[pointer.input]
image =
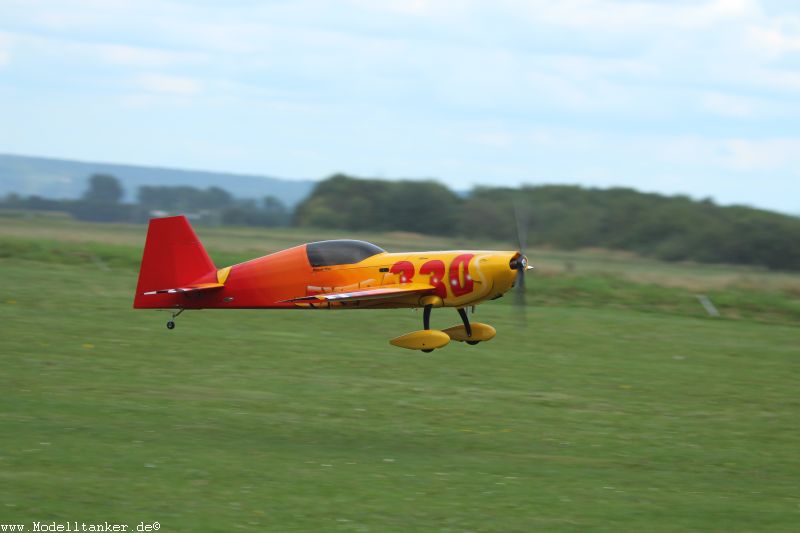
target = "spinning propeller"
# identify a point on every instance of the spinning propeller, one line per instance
(520, 264)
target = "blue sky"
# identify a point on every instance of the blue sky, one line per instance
(701, 98)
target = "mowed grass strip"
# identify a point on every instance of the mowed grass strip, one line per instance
(586, 419)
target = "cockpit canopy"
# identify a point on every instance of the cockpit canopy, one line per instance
(340, 252)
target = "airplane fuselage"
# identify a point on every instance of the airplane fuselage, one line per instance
(460, 279)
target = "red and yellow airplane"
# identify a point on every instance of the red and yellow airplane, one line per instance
(177, 274)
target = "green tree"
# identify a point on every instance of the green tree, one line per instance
(104, 188)
(357, 204)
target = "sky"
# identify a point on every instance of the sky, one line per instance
(699, 98)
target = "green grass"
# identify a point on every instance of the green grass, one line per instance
(604, 414)
(588, 278)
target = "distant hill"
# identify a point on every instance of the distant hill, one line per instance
(61, 178)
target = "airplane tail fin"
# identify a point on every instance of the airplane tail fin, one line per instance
(173, 258)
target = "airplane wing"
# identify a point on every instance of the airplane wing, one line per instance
(188, 288)
(377, 293)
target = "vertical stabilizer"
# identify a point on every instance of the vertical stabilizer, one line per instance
(173, 257)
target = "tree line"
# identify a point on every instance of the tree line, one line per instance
(672, 228)
(102, 202)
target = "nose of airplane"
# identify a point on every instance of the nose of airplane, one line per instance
(518, 262)
(502, 268)
(519, 265)
(506, 269)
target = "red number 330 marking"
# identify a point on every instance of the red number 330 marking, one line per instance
(405, 269)
(459, 276)
(436, 269)
(460, 280)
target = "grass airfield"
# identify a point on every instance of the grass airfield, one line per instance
(619, 407)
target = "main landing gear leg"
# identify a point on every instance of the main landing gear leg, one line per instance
(426, 321)
(465, 319)
(171, 323)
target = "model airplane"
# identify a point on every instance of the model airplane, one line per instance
(178, 274)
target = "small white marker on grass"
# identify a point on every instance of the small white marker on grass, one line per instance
(705, 301)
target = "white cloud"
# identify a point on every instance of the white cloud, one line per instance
(658, 151)
(604, 15)
(5, 48)
(497, 139)
(124, 55)
(161, 83)
(404, 7)
(730, 169)
(763, 155)
(73, 14)
(772, 41)
(781, 79)
(88, 52)
(635, 17)
(728, 105)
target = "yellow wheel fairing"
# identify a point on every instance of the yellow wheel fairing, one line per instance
(424, 339)
(480, 332)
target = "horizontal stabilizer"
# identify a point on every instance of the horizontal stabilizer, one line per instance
(189, 288)
(378, 293)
